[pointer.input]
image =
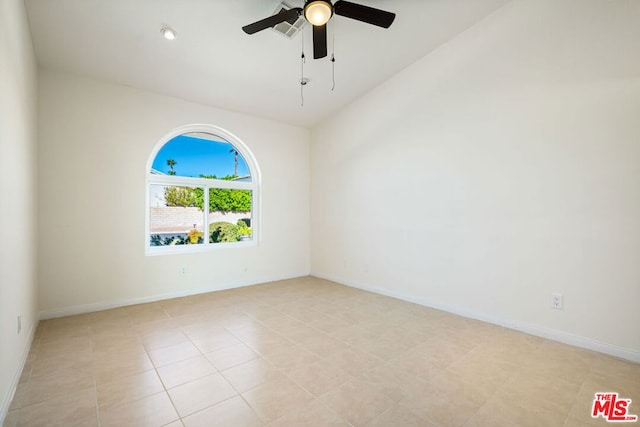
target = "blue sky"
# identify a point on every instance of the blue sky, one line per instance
(196, 156)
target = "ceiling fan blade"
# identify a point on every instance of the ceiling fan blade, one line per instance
(319, 41)
(269, 22)
(362, 13)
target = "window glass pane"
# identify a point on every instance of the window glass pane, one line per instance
(201, 155)
(175, 215)
(229, 215)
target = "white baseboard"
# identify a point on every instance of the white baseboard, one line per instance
(551, 334)
(6, 403)
(89, 308)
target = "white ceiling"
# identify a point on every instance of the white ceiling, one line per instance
(214, 62)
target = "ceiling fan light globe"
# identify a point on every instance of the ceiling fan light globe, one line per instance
(318, 12)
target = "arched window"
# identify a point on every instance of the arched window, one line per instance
(202, 192)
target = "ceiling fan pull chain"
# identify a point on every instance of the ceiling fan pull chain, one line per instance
(333, 71)
(303, 81)
(333, 57)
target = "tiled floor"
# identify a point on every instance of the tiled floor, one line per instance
(305, 352)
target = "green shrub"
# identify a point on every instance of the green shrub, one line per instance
(223, 232)
(157, 240)
(243, 228)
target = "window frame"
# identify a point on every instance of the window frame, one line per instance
(174, 180)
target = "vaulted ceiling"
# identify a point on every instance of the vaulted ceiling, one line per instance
(214, 62)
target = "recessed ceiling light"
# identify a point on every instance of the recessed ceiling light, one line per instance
(168, 33)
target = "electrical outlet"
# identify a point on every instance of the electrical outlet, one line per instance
(557, 301)
(183, 271)
(19, 323)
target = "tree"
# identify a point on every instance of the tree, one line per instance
(181, 196)
(220, 199)
(224, 199)
(171, 163)
(229, 200)
(235, 159)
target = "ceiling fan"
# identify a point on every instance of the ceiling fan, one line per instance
(318, 13)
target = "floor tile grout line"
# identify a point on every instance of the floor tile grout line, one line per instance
(261, 356)
(251, 301)
(218, 372)
(166, 392)
(95, 383)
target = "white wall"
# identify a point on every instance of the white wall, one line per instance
(17, 195)
(516, 150)
(95, 140)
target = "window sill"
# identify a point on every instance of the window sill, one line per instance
(192, 249)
